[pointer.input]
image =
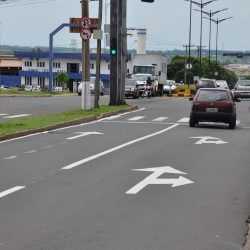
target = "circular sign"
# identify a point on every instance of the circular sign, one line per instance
(85, 23)
(189, 66)
(85, 34)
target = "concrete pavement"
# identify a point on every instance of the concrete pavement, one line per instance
(57, 193)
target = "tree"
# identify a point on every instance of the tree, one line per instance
(176, 70)
(63, 80)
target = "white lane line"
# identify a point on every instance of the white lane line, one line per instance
(10, 157)
(11, 191)
(111, 150)
(83, 134)
(16, 116)
(30, 152)
(3, 114)
(160, 119)
(183, 120)
(67, 127)
(136, 118)
(154, 123)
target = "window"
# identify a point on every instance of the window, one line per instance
(56, 65)
(28, 63)
(108, 66)
(28, 80)
(41, 82)
(213, 96)
(41, 64)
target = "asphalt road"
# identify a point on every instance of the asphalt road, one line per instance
(11, 107)
(66, 190)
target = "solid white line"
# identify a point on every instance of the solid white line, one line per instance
(136, 118)
(67, 127)
(3, 114)
(16, 116)
(83, 134)
(184, 120)
(10, 157)
(160, 119)
(127, 122)
(11, 191)
(111, 150)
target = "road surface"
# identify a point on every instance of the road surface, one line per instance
(140, 181)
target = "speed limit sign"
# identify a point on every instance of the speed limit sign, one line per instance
(85, 34)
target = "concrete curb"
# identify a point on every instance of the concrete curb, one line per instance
(66, 124)
(247, 245)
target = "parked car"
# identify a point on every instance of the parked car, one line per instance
(131, 89)
(222, 84)
(28, 88)
(242, 89)
(91, 86)
(213, 105)
(169, 88)
(36, 88)
(58, 89)
(206, 83)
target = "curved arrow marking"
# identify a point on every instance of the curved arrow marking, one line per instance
(154, 179)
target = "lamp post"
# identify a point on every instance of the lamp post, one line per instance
(201, 5)
(210, 14)
(218, 22)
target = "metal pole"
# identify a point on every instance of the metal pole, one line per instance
(190, 37)
(98, 57)
(185, 70)
(51, 78)
(210, 36)
(114, 58)
(85, 45)
(217, 38)
(201, 39)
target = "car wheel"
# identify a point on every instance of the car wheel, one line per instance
(232, 123)
(192, 122)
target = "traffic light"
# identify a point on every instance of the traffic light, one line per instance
(113, 47)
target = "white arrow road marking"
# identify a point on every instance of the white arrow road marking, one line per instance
(136, 118)
(208, 140)
(111, 150)
(160, 119)
(83, 134)
(16, 116)
(11, 191)
(153, 179)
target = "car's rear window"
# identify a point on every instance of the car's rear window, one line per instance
(207, 84)
(214, 96)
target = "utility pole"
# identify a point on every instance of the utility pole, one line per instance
(114, 52)
(85, 45)
(98, 57)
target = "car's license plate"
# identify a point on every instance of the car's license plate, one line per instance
(211, 110)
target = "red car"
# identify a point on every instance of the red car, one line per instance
(213, 105)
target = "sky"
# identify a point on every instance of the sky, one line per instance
(166, 21)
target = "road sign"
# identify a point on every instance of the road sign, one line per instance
(85, 34)
(77, 24)
(208, 140)
(189, 66)
(154, 179)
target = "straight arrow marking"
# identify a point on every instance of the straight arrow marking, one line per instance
(83, 134)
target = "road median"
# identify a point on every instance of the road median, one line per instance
(24, 126)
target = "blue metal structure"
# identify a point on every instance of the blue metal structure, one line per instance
(51, 40)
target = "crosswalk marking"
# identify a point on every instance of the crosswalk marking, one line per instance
(136, 118)
(16, 116)
(184, 120)
(160, 119)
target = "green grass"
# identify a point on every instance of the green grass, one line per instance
(37, 122)
(21, 92)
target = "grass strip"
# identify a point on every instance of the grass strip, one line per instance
(38, 122)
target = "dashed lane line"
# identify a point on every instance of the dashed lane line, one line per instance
(10, 157)
(160, 119)
(136, 118)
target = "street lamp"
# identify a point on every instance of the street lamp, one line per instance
(210, 14)
(217, 22)
(202, 5)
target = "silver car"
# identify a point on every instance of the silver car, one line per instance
(242, 89)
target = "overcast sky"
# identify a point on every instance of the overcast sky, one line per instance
(166, 21)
